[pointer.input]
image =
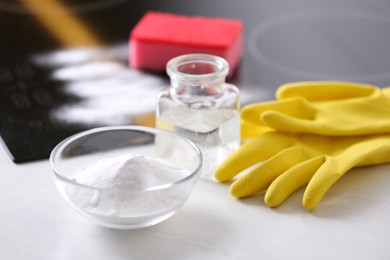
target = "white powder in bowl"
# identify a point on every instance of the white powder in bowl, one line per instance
(112, 177)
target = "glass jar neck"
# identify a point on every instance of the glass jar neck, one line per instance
(197, 76)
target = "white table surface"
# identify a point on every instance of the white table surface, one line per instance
(352, 222)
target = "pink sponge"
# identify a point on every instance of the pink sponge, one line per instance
(158, 37)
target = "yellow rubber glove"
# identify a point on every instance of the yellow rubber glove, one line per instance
(249, 130)
(292, 161)
(324, 108)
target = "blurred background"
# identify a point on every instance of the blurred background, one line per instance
(64, 64)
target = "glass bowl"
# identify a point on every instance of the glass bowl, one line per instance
(126, 177)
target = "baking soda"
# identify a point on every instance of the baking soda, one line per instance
(115, 183)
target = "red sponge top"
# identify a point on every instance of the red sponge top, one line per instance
(185, 30)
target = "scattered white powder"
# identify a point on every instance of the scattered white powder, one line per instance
(112, 176)
(109, 92)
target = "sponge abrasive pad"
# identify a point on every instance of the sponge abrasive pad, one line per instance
(159, 37)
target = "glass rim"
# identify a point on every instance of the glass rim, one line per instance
(221, 65)
(64, 143)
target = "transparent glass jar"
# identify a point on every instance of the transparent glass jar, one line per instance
(201, 106)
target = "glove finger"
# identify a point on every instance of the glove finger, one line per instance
(251, 152)
(325, 90)
(259, 178)
(291, 180)
(295, 107)
(370, 151)
(289, 124)
(321, 182)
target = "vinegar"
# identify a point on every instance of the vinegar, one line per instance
(201, 107)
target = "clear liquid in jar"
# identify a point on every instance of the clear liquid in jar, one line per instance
(215, 132)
